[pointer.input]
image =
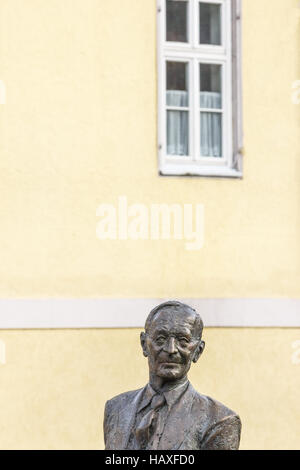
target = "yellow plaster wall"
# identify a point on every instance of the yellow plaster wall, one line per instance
(79, 129)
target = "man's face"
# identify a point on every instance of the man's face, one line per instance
(170, 344)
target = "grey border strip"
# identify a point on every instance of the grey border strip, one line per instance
(131, 313)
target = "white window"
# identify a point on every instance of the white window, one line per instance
(199, 130)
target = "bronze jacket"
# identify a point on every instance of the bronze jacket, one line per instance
(195, 422)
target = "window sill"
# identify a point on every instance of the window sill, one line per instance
(196, 170)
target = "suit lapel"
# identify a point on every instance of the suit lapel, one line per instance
(126, 416)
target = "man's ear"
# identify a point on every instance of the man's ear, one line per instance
(199, 350)
(143, 343)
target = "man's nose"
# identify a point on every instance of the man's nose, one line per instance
(170, 346)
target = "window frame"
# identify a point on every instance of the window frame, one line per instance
(229, 56)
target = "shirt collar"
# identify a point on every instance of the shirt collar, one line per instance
(171, 396)
(147, 397)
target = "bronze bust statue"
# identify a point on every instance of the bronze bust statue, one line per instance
(168, 414)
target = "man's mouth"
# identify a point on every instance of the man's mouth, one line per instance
(170, 362)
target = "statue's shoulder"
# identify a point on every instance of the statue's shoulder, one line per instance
(211, 407)
(119, 401)
(218, 426)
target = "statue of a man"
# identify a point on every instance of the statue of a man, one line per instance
(168, 414)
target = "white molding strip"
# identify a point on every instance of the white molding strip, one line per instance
(131, 313)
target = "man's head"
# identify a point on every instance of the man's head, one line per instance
(172, 340)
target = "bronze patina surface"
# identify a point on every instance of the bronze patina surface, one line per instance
(168, 414)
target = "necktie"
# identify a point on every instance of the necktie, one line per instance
(146, 427)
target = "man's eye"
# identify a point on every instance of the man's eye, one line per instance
(160, 339)
(184, 341)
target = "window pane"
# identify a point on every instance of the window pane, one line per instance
(177, 97)
(177, 84)
(211, 86)
(211, 134)
(177, 20)
(177, 133)
(210, 24)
